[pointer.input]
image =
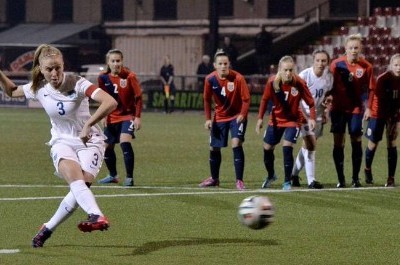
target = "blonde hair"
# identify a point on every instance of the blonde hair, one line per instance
(394, 57)
(351, 37)
(41, 52)
(278, 77)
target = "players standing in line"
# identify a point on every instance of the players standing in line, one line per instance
(121, 124)
(384, 111)
(228, 89)
(319, 81)
(167, 79)
(285, 90)
(77, 143)
(352, 79)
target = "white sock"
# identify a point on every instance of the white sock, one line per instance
(67, 206)
(299, 163)
(85, 197)
(310, 165)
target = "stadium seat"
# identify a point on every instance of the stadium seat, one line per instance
(364, 30)
(385, 31)
(391, 21)
(362, 21)
(344, 30)
(380, 21)
(353, 30)
(388, 11)
(377, 11)
(372, 21)
(397, 11)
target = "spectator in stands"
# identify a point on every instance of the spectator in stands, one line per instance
(77, 142)
(231, 96)
(263, 46)
(120, 126)
(285, 90)
(167, 79)
(352, 80)
(231, 50)
(383, 112)
(319, 81)
(203, 69)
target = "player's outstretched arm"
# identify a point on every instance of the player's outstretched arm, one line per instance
(9, 87)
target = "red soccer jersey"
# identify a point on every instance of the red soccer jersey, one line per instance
(384, 99)
(126, 90)
(350, 82)
(286, 110)
(231, 96)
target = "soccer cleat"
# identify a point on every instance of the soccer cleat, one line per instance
(341, 185)
(368, 176)
(356, 184)
(41, 237)
(94, 222)
(295, 181)
(209, 182)
(287, 186)
(109, 179)
(129, 182)
(240, 185)
(268, 181)
(315, 185)
(390, 182)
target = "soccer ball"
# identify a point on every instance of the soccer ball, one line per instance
(256, 212)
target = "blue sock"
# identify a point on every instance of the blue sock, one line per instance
(392, 161)
(338, 158)
(238, 161)
(129, 158)
(215, 163)
(269, 159)
(369, 157)
(111, 161)
(288, 162)
(356, 158)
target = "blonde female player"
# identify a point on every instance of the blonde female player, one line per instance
(77, 143)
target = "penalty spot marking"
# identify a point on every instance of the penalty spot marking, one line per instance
(9, 251)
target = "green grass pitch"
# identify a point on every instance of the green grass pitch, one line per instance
(167, 219)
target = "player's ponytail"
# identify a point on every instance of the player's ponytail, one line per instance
(42, 51)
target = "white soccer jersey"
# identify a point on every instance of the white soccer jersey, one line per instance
(318, 87)
(67, 107)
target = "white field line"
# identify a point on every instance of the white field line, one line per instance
(195, 191)
(9, 251)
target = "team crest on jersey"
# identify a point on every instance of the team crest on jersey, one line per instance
(294, 92)
(359, 73)
(122, 83)
(231, 86)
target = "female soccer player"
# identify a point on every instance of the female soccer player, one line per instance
(319, 80)
(383, 111)
(285, 90)
(121, 124)
(352, 79)
(77, 143)
(231, 96)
